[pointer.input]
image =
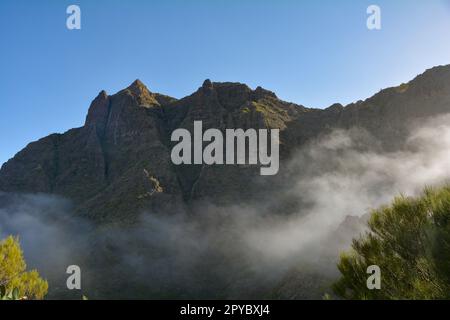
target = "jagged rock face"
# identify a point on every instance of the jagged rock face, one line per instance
(224, 106)
(118, 163)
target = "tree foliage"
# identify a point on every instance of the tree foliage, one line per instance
(410, 242)
(9, 295)
(13, 274)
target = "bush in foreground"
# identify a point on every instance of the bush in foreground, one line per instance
(14, 279)
(410, 242)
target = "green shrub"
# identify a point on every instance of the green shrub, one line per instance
(410, 242)
(15, 281)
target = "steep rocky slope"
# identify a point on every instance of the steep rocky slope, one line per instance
(118, 163)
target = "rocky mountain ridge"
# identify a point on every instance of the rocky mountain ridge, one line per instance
(118, 164)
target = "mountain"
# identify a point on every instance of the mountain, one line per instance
(118, 163)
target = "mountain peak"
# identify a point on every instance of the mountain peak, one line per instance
(207, 84)
(140, 92)
(336, 107)
(102, 95)
(261, 92)
(138, 85)
(98, 108)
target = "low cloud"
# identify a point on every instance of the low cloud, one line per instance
(241, 251)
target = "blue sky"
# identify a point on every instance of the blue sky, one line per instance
(313, 52)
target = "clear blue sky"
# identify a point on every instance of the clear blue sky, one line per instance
(313, 52)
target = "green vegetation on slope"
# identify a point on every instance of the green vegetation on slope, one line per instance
(410, 242)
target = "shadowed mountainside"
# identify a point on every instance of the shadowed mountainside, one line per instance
(118, 163)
